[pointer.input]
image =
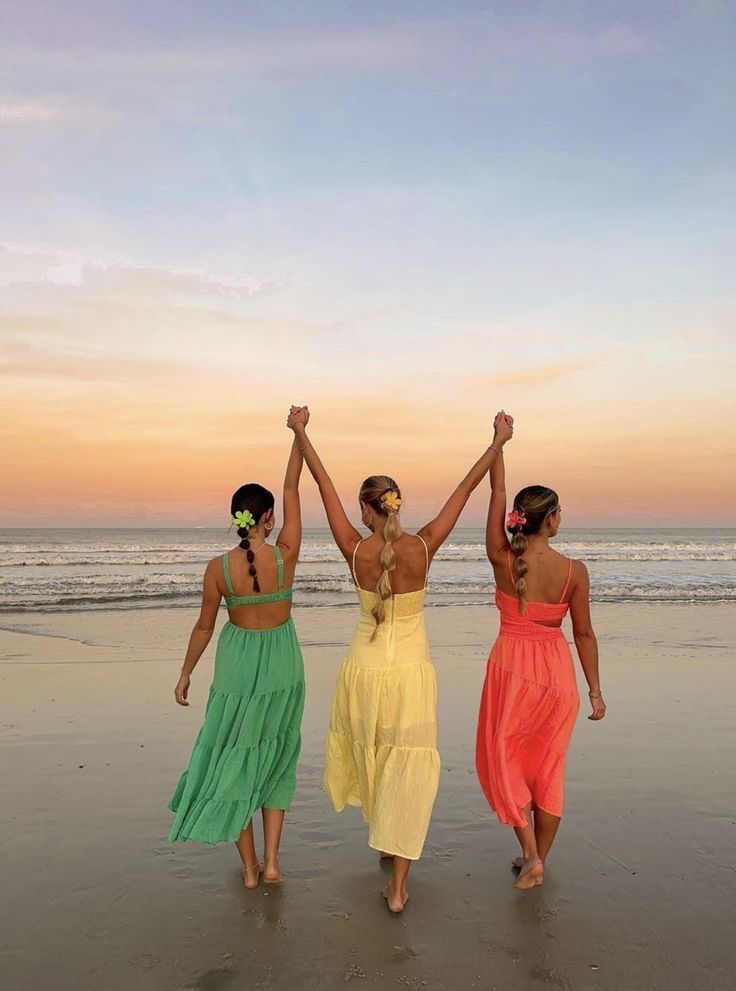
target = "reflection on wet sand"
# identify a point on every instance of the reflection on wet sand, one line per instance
(92, 743)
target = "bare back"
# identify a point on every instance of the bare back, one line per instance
(550, 577)
(412, 563)
(263, 614)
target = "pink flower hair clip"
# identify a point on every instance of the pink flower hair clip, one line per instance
(514, 519)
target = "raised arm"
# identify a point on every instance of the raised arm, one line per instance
(202, 632)
(436, 532)
(585, 639)
(345, 534)
(497, 543)
(290, 535)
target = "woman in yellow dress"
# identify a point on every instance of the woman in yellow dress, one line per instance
(381, 752)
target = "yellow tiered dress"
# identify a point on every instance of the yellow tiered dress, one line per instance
(381, 750)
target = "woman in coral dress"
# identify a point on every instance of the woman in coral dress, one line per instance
(530, 699)
(381, 752)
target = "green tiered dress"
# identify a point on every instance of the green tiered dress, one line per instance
(246, 752)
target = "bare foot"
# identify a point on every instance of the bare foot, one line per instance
(396, 902)
(531, 875)
(272, 874)
(251, 876)
(518, 862)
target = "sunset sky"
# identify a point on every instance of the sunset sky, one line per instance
(404, 214)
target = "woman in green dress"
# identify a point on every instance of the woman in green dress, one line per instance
(245, 755)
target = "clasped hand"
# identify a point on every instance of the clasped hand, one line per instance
(297, 414)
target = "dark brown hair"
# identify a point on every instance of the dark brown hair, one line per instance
(257, 501)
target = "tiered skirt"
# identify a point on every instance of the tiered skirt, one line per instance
(245, 755)
(527, 715)
(382, 751)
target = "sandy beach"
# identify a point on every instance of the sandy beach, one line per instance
(635, 898)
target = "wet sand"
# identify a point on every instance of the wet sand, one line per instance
(638, 895)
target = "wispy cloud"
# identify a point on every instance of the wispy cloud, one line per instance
(20, 113)
(59, 106)
(464, 40)
(538, 374)
(21, 264)
(358, 50)
(72, 318)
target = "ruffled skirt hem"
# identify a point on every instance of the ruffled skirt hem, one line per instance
(394, 787)
(524, 731)
(246, 753)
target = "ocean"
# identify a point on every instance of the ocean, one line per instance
(76, 569)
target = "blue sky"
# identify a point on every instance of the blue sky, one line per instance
(541, 193)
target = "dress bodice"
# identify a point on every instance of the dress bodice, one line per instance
(259, 598)
(401, 638)
(536, 614)
(399, 606)
(531, 622)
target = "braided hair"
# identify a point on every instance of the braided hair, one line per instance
(374, 491)
(535, 503)
(257, 501)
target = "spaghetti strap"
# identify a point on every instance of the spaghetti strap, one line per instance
(511, 570)
(355, 577)
(226, 571)
(426, 560)
(279, 566)
(569, 574)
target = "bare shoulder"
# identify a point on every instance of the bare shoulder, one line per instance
(214, 575)
(499, 554)
(414, 544)
(348, 546)
(578, 574)
(289, 552)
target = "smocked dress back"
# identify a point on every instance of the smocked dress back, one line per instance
(245, 755)
(528, 709)
(381, 752)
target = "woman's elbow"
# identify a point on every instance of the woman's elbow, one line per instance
(585, 635)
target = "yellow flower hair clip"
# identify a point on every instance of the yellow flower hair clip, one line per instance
(390, 501)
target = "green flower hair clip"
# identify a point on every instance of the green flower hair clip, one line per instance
(244, 519)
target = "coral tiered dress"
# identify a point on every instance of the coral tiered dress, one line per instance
(528, 710)
(381, 752)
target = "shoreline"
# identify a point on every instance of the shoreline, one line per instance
(57, 623)
(346, 600)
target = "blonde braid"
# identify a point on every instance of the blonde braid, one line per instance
(391, 532)
(534, 504)
(383, 495)
(519, 545)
